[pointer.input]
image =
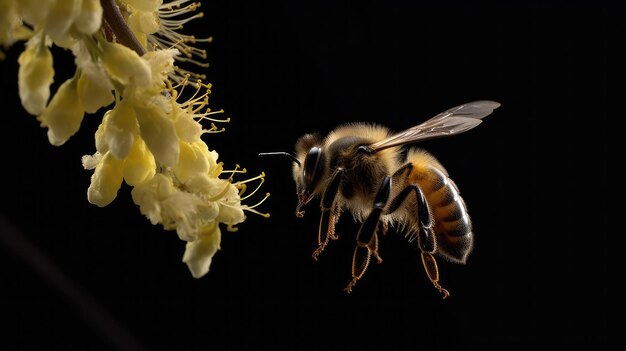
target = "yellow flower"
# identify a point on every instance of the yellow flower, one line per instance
(192, 161)
(35, 75)
(152, 137)
(64, 114)
(34, 11)
(199, 253)
(162, 202)
(231, 210)
(94, 90)
(119, 129)
(160, 64)
(145, 5)
(160, 29)
(143, 24)
(158, 131)
(149, 195)
(105, 181)
(11, 28)
(89, 19)
(139, 164)
(124, 65)
(59, 19)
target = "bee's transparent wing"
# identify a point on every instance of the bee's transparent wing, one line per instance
(453, 121)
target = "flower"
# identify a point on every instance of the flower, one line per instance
(124, 65)
(199, 253)
(11, 28)
(105, 181)
(89, 18)
(119, 129)
(145, 5)
(95, 89)
(160, 29)
(35, 75)
(151, 138)
(64, 114)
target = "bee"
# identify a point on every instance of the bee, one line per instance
(366, 170)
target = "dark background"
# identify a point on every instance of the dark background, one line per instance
(533, 176)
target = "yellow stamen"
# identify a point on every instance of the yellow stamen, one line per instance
(173, 17)
(260, 176)
(251, 208)
(244, 187)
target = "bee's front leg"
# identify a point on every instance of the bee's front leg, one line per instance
(330, 213)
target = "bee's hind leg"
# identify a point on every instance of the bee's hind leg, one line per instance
(367, 239)
(330, 213)
(426, 239)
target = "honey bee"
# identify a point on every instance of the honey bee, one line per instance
(363, 168)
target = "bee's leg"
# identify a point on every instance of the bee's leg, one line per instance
(367, 239)
(426, 239)
(430, 265)
(330, 213)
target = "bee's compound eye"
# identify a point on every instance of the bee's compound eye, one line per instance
(312, 170)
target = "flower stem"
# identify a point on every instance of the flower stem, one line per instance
(113, 16)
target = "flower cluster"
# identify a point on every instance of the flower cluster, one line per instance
(125, 53)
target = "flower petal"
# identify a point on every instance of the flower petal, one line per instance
(187, 128)
(89, 18)
(105, 181)
(60, 18)
(159, 133)
(124, 65)
(145, 5)
(35, 76)
(11, 28)
(230, 207)
(191, 162)
(120, 129)
(94, 90)
(139, 165)
(148, 196)
(144, 22)
(199, 253)
(64, 114)
(33, 11)
(187, 213)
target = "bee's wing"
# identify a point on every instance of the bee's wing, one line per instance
(453, 121)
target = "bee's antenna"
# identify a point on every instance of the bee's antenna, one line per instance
(291, 157)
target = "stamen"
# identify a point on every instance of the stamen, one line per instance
(260, 176)
(204, 117)
(236, 170)
(252, 193)
(213, 130)
(179, 73)
(232, 173)
(173, 17)
(251, 208)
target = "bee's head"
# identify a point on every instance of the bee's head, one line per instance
(309, 172)
(309, 167)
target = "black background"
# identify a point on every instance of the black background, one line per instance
(533, 176)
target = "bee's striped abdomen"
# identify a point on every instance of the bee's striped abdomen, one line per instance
(453, 227)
